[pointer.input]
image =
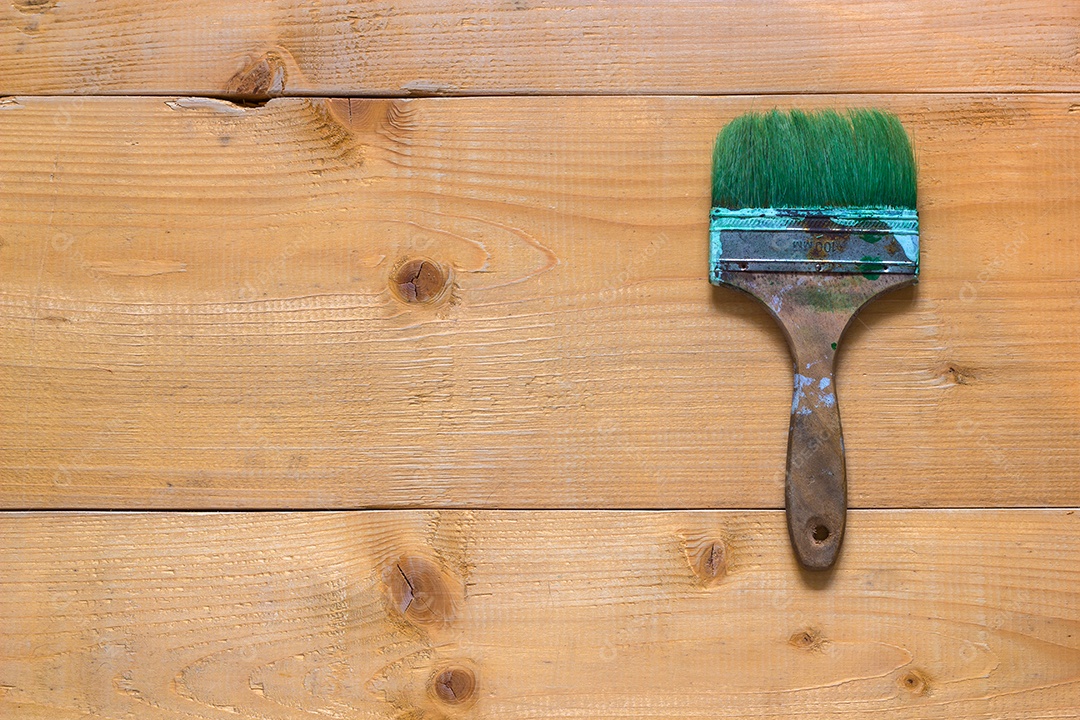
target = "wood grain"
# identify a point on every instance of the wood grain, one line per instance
(929, 614)
(216, 47)
(208, 306)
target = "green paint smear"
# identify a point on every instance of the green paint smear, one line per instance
(870, 238)
(871, 267)
(823, 299)
(834, 346)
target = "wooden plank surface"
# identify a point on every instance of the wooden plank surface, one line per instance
(196, 309)
(214, 47)
(930, 614)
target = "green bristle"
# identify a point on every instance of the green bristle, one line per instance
(821, 159)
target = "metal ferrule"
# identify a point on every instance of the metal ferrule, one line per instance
(868, 241)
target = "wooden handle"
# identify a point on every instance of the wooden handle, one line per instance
(814, 310)
(816, 489)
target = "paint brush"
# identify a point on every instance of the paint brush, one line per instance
(814, 215)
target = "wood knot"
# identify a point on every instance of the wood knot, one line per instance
(421, 592)
(455, 685)
(711, 563)
(420, 280)
(261, 79)
(708, 555)
(808, 639)
(956, 374)
(34, 7)
(915, 682)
